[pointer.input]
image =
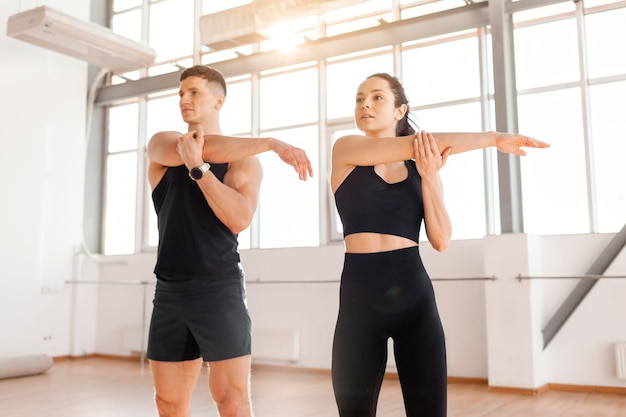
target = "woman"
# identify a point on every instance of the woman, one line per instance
(385, 184)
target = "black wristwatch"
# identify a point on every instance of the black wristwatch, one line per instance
(198, 172)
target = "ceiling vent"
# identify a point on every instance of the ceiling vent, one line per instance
(87, 41)
(250, 23)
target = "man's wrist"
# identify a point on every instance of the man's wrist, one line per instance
(196, 173)
(271, 144)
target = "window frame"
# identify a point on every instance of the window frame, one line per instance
(140, 79)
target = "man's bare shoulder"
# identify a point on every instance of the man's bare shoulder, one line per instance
(162, 149)
(165, 136)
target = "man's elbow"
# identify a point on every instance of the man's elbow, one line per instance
(236, 229)
(240, 224)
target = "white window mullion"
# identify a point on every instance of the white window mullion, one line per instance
(586, 116)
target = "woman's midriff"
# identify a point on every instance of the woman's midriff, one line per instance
(375, 242)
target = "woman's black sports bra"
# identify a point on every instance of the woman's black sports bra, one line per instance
(367, 203)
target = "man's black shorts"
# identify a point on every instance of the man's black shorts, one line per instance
(199, 318)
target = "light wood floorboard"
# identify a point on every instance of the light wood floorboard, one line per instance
(106, 387)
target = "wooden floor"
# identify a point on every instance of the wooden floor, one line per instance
(104, 387)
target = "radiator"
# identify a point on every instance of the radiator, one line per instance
(276, 345)
(620, 359)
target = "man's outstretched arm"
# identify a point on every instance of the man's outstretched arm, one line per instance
(220, 149)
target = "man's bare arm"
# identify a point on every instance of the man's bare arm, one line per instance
(221, 149)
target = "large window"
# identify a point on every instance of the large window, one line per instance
(570, 79)
(341, 95)
(121, 180)
(570, 92)
(555, 194)
(236, 114)
(288, 99)
(463, 176)
(608, 105)
(448, 100)
(288, 207)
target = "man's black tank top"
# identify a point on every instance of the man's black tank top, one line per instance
(193, 242)
(367, 203)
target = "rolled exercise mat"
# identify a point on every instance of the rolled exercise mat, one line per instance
(24, 365)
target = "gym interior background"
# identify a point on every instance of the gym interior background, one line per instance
(531, 291)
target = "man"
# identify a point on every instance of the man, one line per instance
(205, 191)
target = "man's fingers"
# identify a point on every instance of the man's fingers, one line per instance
(298, 159)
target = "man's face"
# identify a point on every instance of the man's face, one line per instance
(199, 100)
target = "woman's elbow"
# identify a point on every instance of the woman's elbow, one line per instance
(440, 243)
(441, 246)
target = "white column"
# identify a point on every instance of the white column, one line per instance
(513, 310)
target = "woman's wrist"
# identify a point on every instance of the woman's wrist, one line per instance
(493, 135)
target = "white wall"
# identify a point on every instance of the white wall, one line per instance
(42, 108)
(583, 352)
(493, 328)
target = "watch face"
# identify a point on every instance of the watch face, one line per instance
(196, 173)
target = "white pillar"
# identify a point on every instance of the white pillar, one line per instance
(513, 310)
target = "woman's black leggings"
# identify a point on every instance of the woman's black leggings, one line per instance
(383, 295)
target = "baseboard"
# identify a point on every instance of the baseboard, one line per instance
(520, 391)
(95, 355)
(285, 368)
(559, 387)
(588, 388)
(73, 358)
(464, 380)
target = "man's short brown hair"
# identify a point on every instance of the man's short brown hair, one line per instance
(211, 75)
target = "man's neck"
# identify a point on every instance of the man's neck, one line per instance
(207, 128)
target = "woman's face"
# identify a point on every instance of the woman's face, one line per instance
(375, 113)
